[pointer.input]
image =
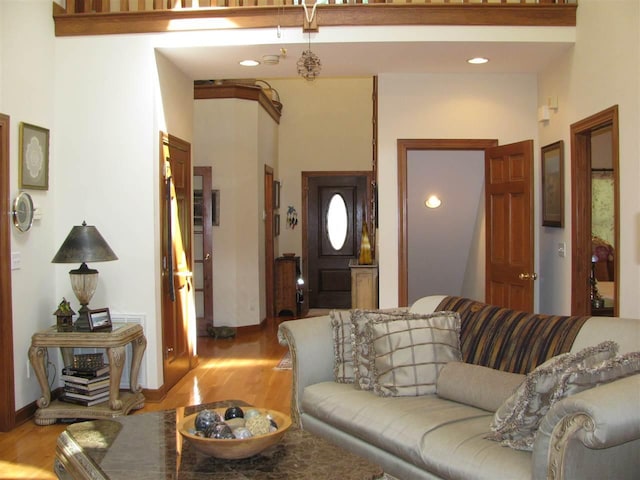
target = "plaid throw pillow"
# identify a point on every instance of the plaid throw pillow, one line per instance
(406, 354)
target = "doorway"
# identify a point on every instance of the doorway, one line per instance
(509, 228)
(328, 250)
(587, 153)
(178, 305)
(205, 215)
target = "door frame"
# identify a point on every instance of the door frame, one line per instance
(207, 244)
(269, 242)
(404, 146)
(7, 397)
(581, 217)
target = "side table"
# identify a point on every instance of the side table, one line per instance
(114, 342)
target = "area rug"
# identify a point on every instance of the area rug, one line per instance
(285, 362)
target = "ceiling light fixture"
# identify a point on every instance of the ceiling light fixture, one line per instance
(249, 63)
(271, 59)
(478, 60)
(309, 64)
(433, 202)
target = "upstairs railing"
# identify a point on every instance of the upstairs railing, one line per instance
(100, 17)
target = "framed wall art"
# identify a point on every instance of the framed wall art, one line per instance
(553, 185)
(33, 168)
(276, 195)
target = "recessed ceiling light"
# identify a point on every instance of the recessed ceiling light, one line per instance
(249, 63)
(477, 60)
(271, 59)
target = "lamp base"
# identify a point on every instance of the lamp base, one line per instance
(82, 322)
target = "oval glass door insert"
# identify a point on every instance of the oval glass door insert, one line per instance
(337, 221)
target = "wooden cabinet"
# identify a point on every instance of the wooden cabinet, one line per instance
(364, 285)
(286, 273)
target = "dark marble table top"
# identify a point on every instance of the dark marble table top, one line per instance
(148, 446)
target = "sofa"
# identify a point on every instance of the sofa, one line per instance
(447, 429)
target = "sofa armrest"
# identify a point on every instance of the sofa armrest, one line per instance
(593, 434)
(310, 342)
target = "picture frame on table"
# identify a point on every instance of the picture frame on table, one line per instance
(552, 158)
(33, 161)
(100, 320)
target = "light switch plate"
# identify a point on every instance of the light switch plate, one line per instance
(562, 249)
(16, 261)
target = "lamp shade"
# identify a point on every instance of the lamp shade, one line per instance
(84, 244)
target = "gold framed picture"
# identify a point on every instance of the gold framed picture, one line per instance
(33, 168)
(553, 185)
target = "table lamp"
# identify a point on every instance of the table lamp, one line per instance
(84, 244)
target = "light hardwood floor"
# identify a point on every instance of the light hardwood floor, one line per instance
(242, 368)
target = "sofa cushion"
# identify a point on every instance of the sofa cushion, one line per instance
(516, 421)
(579, 378)
(480, 387)
(342, 346)
(406, 354)
(442, 437)
(360, 342)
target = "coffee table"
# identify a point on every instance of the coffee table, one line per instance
(148, 446)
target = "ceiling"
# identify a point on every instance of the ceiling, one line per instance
(366, 53)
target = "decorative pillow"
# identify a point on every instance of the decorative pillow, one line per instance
(342, 346)
(578, 379)
(475, 385)
(406, 354)
(359, 340)
(516, 422)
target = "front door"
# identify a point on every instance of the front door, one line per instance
(328, 254)
(178, 304)
(509, 232)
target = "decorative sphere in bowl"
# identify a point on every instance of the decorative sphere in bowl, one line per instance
(235, 448)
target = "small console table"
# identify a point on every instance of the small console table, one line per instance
(364, 285)
(114, 342)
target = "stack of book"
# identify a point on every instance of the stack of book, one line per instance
(86, 386)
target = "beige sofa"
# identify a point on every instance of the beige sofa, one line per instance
(594, 434)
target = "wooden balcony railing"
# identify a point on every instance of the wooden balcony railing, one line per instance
(104, 17)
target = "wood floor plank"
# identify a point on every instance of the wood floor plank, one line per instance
(241, 368)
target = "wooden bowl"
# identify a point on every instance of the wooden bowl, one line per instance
(234, 448)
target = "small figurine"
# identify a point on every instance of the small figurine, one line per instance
(64, 315)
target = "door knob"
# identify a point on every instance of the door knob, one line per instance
(207, 257)
(528, 276)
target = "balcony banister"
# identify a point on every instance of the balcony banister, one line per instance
(92, 17)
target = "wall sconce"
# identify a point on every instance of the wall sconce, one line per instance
(433, 201)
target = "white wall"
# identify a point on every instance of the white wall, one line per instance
(237, 138)
(479, 106)
(26, 95)
(602, 70)
(326, 125)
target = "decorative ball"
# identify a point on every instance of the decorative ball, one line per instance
(258, 425)
(219, 431)
(251, 413)
(242, 432)
(235, 422)
(233, 412)
(205, 419)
